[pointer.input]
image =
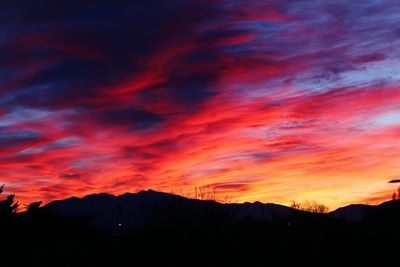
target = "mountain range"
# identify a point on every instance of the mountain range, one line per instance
(132, 211)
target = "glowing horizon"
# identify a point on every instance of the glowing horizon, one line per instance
(270, 101)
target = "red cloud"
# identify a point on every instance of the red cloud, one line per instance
(250, 100)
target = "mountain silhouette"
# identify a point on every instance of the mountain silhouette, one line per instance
(359, 212)
(151, 209)
(353, 212)
(133, 211)
(107, 230)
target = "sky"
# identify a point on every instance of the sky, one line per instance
(268, 101)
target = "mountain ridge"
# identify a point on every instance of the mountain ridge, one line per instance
(152, 208)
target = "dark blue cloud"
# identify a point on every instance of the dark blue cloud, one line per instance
(78, 47)
(11, 139)
(136, 119)
(193, 89)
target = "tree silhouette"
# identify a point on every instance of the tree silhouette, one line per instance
(33, 207)
(8, 206)
(295, 205)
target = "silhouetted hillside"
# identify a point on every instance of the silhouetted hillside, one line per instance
(152, 209)
(359, 212)
(151, 229)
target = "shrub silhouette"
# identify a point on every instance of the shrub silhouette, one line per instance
(33, 207)
(310, 206)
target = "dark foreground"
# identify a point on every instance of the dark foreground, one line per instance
(43, 238)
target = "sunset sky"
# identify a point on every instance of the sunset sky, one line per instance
(260, 100)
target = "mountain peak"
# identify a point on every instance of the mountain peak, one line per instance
(148, 208)
(99, 195)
